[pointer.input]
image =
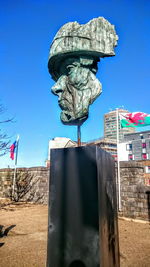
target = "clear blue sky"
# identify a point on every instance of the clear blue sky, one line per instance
(27, 29)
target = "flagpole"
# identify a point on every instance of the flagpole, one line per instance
(15, 169)
(118, 162)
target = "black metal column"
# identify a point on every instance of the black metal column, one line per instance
(82, 230)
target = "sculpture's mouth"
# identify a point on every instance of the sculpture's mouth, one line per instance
(64, 103)
(68, 118)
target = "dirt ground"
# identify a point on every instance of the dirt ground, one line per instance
(26, 243)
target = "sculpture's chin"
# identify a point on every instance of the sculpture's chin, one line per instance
(69, 119)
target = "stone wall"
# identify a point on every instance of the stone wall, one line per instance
(34, 181)
(135, 194)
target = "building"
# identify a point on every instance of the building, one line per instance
(110, 125)
(59, 142)
(109, 146)
(106, 144)
(136, 147)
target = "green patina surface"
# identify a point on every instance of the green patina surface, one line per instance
(73, 64)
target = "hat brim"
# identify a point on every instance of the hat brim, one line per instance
(56, 61)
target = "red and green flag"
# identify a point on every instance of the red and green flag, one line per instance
(134, 119)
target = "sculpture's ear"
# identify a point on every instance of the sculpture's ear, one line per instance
(69, 68)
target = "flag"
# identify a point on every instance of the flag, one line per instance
(135, 119)
(12, 150)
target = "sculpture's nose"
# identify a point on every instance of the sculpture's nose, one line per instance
(57, 89)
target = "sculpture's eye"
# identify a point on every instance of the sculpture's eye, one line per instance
(69, 68)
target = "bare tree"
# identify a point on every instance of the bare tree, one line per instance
(23, 185)
(26, 188)
(4, 139)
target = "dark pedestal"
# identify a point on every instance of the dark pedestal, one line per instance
(82, 230)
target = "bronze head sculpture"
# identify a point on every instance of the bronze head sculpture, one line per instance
(74, 55)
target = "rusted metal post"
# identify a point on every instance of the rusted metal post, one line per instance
(79, 135)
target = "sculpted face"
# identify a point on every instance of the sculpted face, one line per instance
(76, 88)
(74, 53)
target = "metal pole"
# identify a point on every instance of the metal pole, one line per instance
(79, 135)
(118, 162)
(14, 181)
(15, 169)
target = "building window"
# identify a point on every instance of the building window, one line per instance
(129, 147)
(130, 157)
(143, 145)
(144, 156)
